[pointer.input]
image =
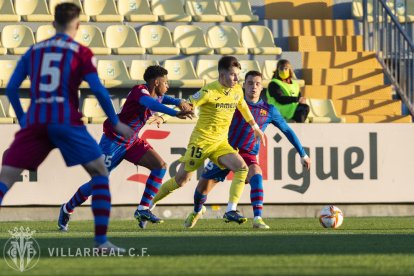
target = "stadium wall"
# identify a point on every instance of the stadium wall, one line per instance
(352, 163)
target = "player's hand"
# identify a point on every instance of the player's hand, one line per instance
(185, 114)
(124, 130)
(306, 162)
(302, 100)
(259, 135)
(185, 106)
(155, 120)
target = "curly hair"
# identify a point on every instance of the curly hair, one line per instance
(153, 72)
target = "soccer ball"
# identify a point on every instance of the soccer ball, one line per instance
(331, 217)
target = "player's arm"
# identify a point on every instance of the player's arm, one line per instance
(199, 98)
(279, 122)
(182, 104)
(18, 76)
(247, 115)
(156, 106)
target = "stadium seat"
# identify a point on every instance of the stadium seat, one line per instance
(45, 32)
(17, 38)
(91, 36)
(268, 70)
(410, 12)
(82, 17)
(237, 11)
(138, 67)
(136, 11)
(207, 70)
(114, 73)
(259, 40)
(322, 111)
(33, 10)
(93, 111)
(3, 116)
(225, 40)
(181, 74)
(7, 12)
(6, 72)
(170, 10)
(203, 11)
(25, 102)
(3, 50)
(123, 40)
(157, 40)
(190, 39)
(248, 65)
(102, 11)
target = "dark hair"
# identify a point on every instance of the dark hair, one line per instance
(65, 13)
(253, 74)
(153, 72)
(282, 63)
(226, 62)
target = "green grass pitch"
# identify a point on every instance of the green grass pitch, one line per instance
(362, 246)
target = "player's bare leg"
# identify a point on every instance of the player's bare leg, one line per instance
(152, 161)
(236, 164)
(180, 179)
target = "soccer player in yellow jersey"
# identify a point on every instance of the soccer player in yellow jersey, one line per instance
(217, 102)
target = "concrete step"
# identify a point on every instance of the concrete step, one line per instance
(325, 43)
(340, 60)
(348, 92)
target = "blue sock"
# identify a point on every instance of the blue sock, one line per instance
(256, 194)
(79, 197)
(152, 186)
(199, 200)
(3, 191)
(101, 206)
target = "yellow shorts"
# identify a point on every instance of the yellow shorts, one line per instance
(197, 153)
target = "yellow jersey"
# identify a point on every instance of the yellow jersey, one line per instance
(217, 105)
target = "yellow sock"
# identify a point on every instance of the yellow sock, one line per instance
(166, 189)
(237, 185)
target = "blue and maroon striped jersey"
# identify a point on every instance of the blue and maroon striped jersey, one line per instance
(56, 68)
(133, 114)
(241, 134)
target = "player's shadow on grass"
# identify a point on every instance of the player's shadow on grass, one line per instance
(258, 245)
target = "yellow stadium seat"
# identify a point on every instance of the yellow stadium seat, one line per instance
(157, 40)
(3, 116)
(136, 11)
(123, 40)
(114, 73)
(93, 111)
(3, 50)
(45, 32)
(102, 11)
(259, 40)
(170, 10)
(410, 12)
(225, 40)
(322, 111)
(17, 38)
(181, 73)
(248, 65)
(7, 68)
(25, 102)
(237, 11)
(191, 40)
(33, 10)
(203, 11)
(82, 17)
(207, 70)
(138, 67)
(91, 36)
(7, 12)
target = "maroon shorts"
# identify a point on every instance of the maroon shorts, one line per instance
(250, 159)
(137, 151)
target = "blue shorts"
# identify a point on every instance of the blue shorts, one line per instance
(115, 152)
(212, 171)
(32, 145)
